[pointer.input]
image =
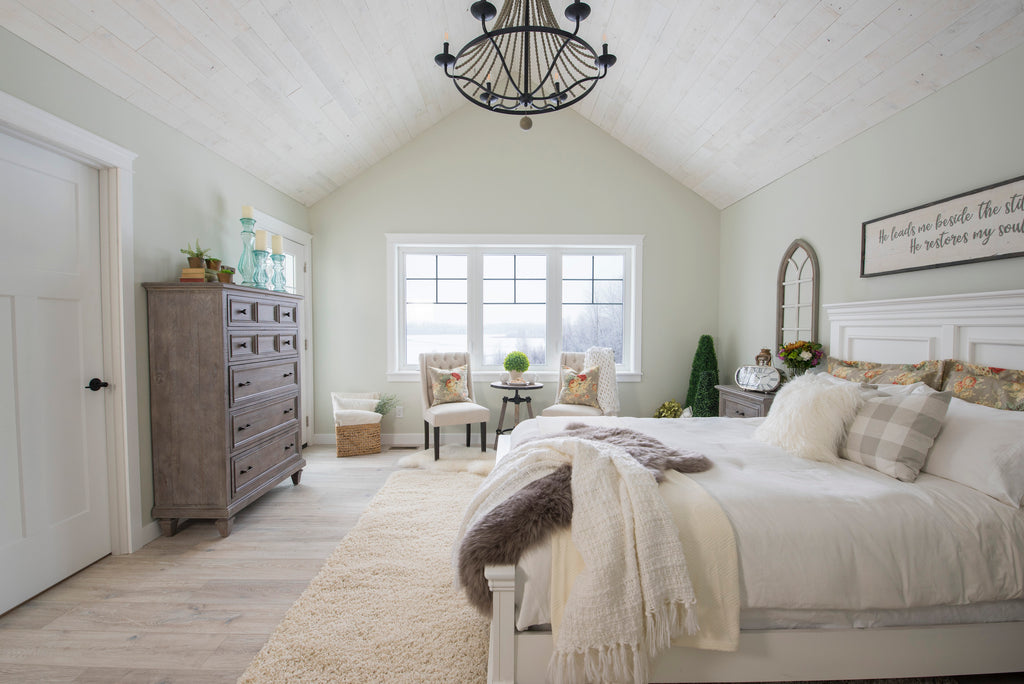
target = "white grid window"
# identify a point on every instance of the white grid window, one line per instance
(494, 294)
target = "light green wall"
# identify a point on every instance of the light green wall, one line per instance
(477, 172)
(965, 136)
(182, 191)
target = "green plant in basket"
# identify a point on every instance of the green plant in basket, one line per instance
(517, 362)
(670, 409)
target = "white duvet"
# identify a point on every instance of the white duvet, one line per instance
(823, 537)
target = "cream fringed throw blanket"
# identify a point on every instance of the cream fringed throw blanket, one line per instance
(634, 595)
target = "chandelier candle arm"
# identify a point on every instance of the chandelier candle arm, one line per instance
(531, 64)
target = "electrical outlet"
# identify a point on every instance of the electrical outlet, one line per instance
(399, 412)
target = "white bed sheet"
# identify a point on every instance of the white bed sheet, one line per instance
(835, 545)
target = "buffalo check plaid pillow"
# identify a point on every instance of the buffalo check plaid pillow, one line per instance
(892, 434)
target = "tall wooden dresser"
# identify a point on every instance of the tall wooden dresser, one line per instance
(224, 398)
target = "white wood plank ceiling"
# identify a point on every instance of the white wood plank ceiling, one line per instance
(723, 95)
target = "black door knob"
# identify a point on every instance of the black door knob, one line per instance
(96, 385)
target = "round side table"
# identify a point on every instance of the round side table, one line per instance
(516, 400)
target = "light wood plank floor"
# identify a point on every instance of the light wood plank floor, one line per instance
(194, 608)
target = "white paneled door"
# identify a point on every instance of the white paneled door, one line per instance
(54, 504)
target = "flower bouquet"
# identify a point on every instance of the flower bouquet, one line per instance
(801, 355)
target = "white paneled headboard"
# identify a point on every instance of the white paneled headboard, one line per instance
(983, 328)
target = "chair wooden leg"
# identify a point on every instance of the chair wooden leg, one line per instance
(483, 436)
(426, 435)
(469, 429)
(437, 443)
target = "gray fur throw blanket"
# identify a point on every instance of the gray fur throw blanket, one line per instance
(526, 518)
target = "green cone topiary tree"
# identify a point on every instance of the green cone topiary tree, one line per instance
(702, 396)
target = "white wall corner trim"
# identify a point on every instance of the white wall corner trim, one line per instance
(114, 164)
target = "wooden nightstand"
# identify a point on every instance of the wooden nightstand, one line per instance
(734, 402)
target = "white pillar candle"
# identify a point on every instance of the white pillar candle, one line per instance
(261, 240)
(246, 211)
(277, 246)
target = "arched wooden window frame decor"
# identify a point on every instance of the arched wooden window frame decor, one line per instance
(793, 294)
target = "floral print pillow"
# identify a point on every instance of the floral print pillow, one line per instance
(579, 387)
(999, 388)
(928, 372)
(448, 385)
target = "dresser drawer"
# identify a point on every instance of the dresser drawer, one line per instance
(248, 468)
(253, 345)
(250, 424)
(252, 380)
(248, 310)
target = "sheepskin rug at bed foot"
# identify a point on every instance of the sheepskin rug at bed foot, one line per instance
(454, 458)
(383, 608)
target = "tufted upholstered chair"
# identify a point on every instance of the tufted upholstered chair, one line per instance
(457, 413)
(572, 360)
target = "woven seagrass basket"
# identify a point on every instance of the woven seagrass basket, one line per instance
(357, 440)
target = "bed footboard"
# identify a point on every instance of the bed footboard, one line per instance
(778, 655)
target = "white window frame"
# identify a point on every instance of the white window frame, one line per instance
(630, 246)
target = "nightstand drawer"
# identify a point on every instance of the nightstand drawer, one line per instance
(734, 402)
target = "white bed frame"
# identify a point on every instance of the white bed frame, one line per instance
(987, 329)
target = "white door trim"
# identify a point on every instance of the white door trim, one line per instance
(279, 227)
(117, 258)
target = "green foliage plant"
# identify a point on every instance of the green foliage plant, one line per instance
(517, 362)
(196, 252)
(386, 404)
(702, 395)
(670, 409)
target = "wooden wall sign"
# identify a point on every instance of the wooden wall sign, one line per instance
(978, 225)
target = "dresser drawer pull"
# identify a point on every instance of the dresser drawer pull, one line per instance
(242, 312)
(243, 427)
(287, 411)
(289, 447)
(286, 314)
(243, 345)
(286, 343)
(287, 374)
(244, 470)
(739, 413)
(245, 384)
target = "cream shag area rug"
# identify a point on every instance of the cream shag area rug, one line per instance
(454, 458)
(383, 608)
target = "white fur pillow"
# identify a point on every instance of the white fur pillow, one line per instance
(810, 416)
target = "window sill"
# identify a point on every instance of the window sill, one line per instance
(545, 376)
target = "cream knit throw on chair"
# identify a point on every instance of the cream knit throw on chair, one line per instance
(607, 385)
(634, 595)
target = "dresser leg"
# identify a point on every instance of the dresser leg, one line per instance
(224, 525)
(168, 526)
(296, 476)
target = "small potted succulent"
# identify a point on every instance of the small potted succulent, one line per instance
(196, 255)
(213, 263)
(516, 363)
(226, 274)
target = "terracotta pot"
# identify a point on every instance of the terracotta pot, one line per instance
(225, 277)
(196, 262)
(213, 264)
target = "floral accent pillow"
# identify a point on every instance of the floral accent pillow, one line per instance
(448, 385)
(928, 372)
(579, 387)
(999, 388)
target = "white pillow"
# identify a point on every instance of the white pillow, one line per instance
(810, 416)
(983, 448)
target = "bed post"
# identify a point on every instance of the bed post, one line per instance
(501, 663)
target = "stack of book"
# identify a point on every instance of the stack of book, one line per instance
(193, 275)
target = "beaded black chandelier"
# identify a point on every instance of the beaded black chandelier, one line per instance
(526, 63)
